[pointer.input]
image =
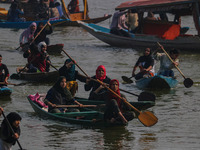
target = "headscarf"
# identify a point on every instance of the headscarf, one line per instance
(28, 34)
(63, 91)
(70, 73)
(101, 78)
(12, 117)
(40, 45)
(113, 96)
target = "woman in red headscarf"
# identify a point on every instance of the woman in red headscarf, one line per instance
(101, 75)
(116, 110)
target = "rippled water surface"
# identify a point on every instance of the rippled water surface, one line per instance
(178, 110)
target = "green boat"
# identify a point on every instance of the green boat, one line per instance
(86, 116)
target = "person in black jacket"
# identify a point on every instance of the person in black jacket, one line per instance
(7, 137)
(100, 75)
(43, 35)
(4, 73)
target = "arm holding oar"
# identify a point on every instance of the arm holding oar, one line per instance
(187, 82)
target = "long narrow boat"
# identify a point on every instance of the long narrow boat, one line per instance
(5, 91)
(84, 117)
(156, 82)
(26, 24)
(36, 76)
(167, 33)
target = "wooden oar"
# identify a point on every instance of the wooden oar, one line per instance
(127, 79)
(144, 96)
(13, 84)
(146, 118)
(8, 123)
(187, 81)
(35, 36)
(74, 106)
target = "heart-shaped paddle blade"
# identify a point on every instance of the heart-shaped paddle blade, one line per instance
(147, 118)
(126, 79)
(146, 96)
(188, 82)
(15, 76)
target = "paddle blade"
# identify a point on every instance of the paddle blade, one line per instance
(147, 118)
(146, 96)
(188, 82)
(126, 79)
(15, 76)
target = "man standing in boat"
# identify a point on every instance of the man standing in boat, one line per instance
(4, 73)
(165, 63)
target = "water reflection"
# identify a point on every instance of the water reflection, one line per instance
(147, 141)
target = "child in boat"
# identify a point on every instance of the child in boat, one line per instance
(91, 84)
(145, 63)
(69, 72)
(4, 73)
(42, 36)
(60, 95)
(116, 110)
(8, 139)
(73, 6)
(166, 65)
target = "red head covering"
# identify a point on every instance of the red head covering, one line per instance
(101, 78)
(112, 96)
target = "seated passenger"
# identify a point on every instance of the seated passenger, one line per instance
(60, 95)
(101, 75)
(42, 11)
(145, 63)
(116, 109)
(166, 65)
(14, 12)
(73, 6)
(150, 16)
(4, 73)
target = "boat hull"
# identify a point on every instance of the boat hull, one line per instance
(156, 82)
(140, 41)
(5, 91)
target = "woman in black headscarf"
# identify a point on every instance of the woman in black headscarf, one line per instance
(7, 137)
(59, 95)
(145, 63)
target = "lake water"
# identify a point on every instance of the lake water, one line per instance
(178, 110)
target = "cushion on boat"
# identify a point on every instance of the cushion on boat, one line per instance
(38, 99)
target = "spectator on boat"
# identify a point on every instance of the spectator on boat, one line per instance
(4, 73)
(116, 110)
(8, 139)
(166, 65)
(73, 6)
(118, 25)
(42, 10)
(28, 35)
(14, 13)
(59, 8)
(150, 16)
(132, 21)
(91, 84)
(146, 65)
(69, 72)
(43, 35)
(60, 95)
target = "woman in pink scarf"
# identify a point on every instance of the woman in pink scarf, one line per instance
(101, 75)
(28, 34)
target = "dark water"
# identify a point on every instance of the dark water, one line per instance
(178, 109)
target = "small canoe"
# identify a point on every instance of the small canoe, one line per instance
(156, 82)
(26, 24)
(5, 91)
(37, 76)
(85, 117)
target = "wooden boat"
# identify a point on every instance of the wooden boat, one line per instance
(156, 82)
(26, 24)
(85, 117)
(5, 91)
(167, 34)
(37, 76)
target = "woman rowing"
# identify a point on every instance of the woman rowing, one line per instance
(38, 59)
(91, 84)
(4, 73)
(116, 110)
(145, 63)
(60, 95)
